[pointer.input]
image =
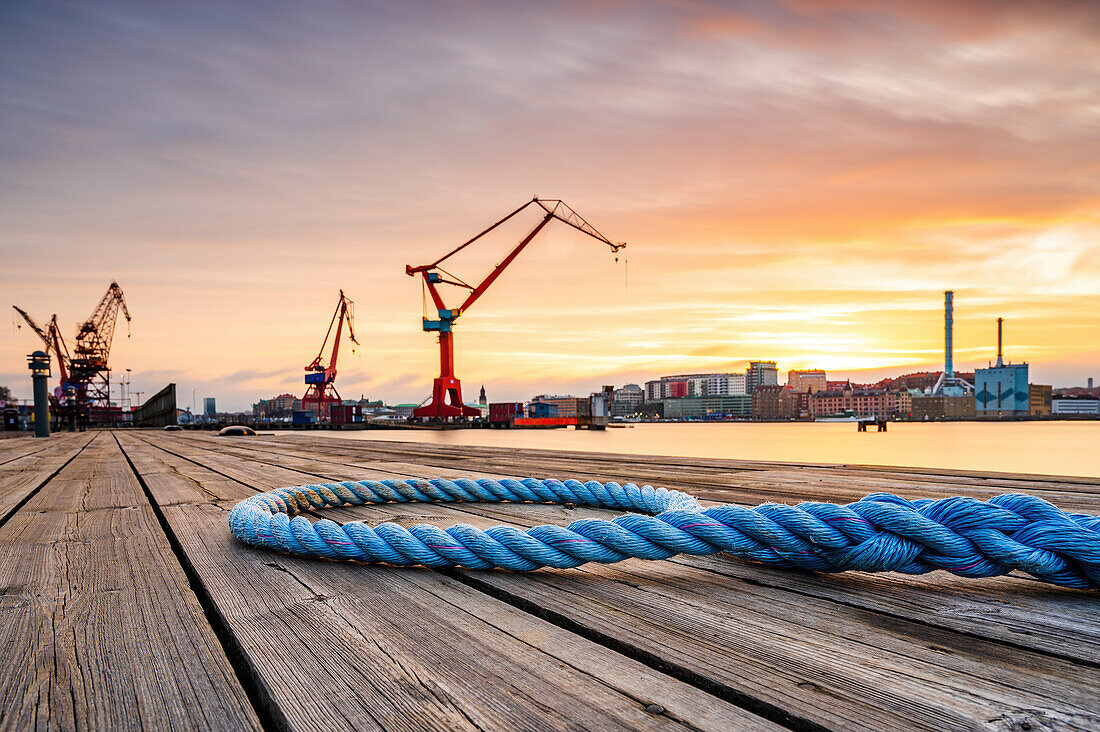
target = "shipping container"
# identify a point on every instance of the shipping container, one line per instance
(345, 413)
(505, 411)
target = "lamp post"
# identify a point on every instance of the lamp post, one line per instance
(39, 364)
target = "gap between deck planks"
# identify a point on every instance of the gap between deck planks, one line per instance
(98, 627)
(1017, 611)
(404, 648)
(1013, 693)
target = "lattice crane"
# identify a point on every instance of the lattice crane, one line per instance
(55, 343)
(89, 370)
(86, 369)
(446, 401)
(321, 391)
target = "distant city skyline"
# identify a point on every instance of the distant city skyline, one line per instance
(796, 182)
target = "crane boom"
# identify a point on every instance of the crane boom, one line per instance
(51, 336)
(321, 392)
(97, 332)
(446, 399)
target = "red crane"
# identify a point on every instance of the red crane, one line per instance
(321, 393)
(51, 336)
(88, 366)
(446, 402)
(87, 370)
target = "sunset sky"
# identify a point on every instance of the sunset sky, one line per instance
(797, 181)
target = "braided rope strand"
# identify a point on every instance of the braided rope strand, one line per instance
(879, 533)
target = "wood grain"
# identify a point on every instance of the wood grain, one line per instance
(98, 627)
(342, 646)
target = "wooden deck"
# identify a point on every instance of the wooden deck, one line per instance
(126, 603)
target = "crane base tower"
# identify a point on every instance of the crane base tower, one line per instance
(446, 402)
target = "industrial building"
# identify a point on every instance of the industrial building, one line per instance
(1002, 390)
(950, 384)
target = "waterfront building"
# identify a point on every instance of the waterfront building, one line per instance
(927, 407)
(802, 404)
(631, 394)
(723, 406)
(626, 401)
(542, 410)
(1002, 390)
(677, 389)
(568, 406)
(1075, 405)
(1039, 396)
(697, 385)
(761, 373)
(209, 410)
(773, 402)
(285, 403)
(694, 385)
(806, 380)
(905, 402)
(863, 402)
(655, 390)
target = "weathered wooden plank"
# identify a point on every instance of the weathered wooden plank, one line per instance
(12, 449)
(341, 646)
(877, 671)
(23, 475)
(1014, 611)
(98, 627)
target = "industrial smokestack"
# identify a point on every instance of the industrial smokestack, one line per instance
(948, 326)
(1000, 363)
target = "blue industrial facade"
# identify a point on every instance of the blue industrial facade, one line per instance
(1001, 390)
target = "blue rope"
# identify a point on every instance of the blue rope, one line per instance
(880, 533)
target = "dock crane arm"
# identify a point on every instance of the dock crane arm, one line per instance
(553, 208)
(93, 339)
(345, 311)
(51, 336)
(446, 386)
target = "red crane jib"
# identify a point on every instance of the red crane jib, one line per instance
(446, 401)
(320, 378)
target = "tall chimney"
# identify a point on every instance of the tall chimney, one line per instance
(948, 325)
(1000, 363)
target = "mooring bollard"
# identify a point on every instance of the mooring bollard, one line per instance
(39, 364)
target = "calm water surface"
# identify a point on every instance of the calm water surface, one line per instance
(1053, 448)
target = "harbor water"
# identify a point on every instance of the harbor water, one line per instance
(1046, 448)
